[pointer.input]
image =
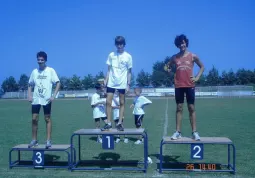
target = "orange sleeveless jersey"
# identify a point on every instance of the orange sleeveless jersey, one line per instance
(184, 70)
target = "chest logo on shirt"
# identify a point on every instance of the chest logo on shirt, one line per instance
(41, 77)
(41, 91)
(183, 65)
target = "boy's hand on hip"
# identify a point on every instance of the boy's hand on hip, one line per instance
(194, 79)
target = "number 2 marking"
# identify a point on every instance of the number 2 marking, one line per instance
(198, 148)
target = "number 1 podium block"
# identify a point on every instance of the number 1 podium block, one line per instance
(108, 144)
(38, 156)
(197, 153)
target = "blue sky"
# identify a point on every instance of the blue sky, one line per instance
(78, 35)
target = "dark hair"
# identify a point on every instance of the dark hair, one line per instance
(120, 40)
(179, 40)
(98, 86)
(42, 54)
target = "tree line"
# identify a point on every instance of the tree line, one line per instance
(158, 78)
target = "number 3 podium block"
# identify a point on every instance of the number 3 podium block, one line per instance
(38, 156)
(197, 153)
(108, 144)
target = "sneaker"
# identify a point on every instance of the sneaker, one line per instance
(99, 140)
(196, 136)
(125, 140)
(176, 135)
(138, 142)
(117, 140)
(33, 143)
(48, 144)
(106, 127)
(119, 127)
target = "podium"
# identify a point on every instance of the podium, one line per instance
(197, 152)
(108, 144)
(38, 157)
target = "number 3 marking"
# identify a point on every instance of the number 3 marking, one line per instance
(39, 156)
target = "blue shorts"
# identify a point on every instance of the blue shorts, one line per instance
(46, 109)
(112, 90)
(190, 95)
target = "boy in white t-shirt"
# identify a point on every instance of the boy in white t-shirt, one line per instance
(118, 78)
(138, 105)
(42, 80)
(116, 110)
(98, 105)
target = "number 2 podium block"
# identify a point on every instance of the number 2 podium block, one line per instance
(108, 144)
(38, 156)
(197, 153)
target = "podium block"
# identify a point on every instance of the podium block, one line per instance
(108, 143)
(197, 152)
(38, 159)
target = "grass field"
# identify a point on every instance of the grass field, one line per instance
(232, 118)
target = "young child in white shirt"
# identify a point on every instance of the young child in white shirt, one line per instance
(98, 105)
(138, 111)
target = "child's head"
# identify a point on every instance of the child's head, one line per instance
(138, 91)
(101, 81)
(99, 87)
(120, 43)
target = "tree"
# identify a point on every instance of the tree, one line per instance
(160, 77)
(88, 81)
(10, 85)
(202, 81)
(253, 77)
(157, 78)
(75, 83)
(244, 77)
(228, 78)
(224, 78)
(65, 83)
(213, 78)
(143, 78)
(231, 77)
(23, 82)
(100, 75)
(132, 82)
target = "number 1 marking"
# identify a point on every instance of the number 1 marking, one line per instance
(109, 141)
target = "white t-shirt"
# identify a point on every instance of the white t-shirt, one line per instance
(42, 82)
(139, 103)
(119, 66)
(98, 110)
(116, 111)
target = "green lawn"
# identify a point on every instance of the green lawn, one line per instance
(232, 118)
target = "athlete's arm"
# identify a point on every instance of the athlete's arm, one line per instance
(129, 75)
(169, 64)
(29, 93)
(107, 76)
(56, 89)
(200, 65)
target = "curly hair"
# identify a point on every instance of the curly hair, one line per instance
(179, 40)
